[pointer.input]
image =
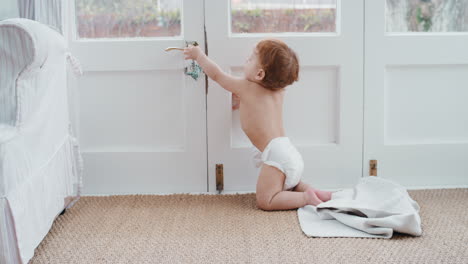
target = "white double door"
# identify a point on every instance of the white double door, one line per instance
(145, 127)
(364, 94)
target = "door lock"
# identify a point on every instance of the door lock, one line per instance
(194, 70)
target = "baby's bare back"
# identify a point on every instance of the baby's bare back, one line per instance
(261, 114)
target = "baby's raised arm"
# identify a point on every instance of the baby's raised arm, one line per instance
(227, 81)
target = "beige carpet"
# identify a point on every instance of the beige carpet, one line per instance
(187, 228)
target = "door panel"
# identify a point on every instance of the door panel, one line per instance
(142, 120)
(416, 116)
(323, 111)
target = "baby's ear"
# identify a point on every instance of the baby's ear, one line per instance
(260, 75)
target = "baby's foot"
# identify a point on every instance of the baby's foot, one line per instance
(311, 197)
(323, 195)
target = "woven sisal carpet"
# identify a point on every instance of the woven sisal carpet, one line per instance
(186, 228)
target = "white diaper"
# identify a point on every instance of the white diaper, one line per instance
(281, 153)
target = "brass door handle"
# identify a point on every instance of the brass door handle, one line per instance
(194, 70)
(194, 43)
(173, 48)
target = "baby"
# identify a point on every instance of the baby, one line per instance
(271, 67)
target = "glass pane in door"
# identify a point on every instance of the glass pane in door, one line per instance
(128, 18)
(426, 15)
(274, 16)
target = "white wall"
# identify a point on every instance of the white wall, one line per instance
(8, 9)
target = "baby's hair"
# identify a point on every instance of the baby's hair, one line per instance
(279, 62)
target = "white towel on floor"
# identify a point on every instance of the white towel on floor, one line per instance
(375, 207)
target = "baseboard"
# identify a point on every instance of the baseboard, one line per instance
(247, 192)
(437, 187)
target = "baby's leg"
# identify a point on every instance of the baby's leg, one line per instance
(322, 195)
(270, 194)
(301, 187)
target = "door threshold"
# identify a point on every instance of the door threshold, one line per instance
(191, 193)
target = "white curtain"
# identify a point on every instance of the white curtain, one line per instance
(48, 12)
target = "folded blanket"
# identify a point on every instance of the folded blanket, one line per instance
(375, 207)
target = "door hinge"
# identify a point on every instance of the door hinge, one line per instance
(373, 168)
(219, 178)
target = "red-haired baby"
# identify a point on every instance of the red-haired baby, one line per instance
(271, 67)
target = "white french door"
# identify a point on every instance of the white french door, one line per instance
(142, 120)
(366, 92)
(416, 115)
(323, 111)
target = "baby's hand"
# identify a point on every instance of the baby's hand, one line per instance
(192, 52)
(235, 101)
